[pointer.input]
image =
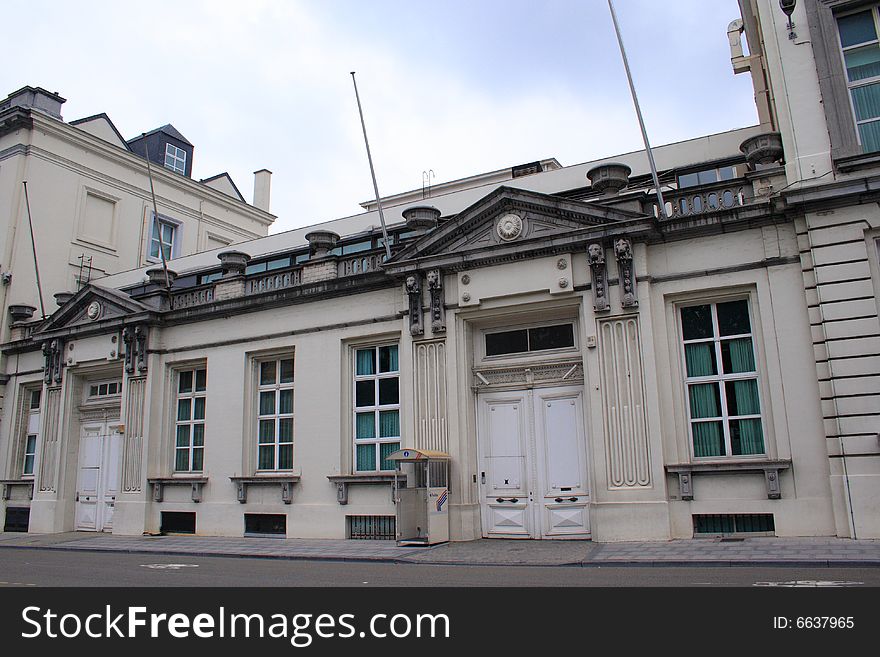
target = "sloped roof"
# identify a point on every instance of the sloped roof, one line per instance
(169, 130)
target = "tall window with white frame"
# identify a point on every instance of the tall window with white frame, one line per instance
(175, 158)
(275, 415)
(32, 431)
(162, 233)
(376, 407)
(721, 380)
(189, 454)
(861, 60)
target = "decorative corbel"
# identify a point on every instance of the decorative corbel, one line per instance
(47, 363)
(438, 310)
(626, 272)
(414, 292)
(596, 259)
(128, 341)
(53, 361)
(140, 338)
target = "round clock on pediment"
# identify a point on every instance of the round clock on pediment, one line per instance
(509, 226)
(95, 310)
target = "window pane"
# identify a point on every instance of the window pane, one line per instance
(700, 359)
(185, 381)
(199, 409)
(285, 457)
(35, 399)
(384, 450)
(31, 445)
(198, 458)
(184, 408)
(551, 337)
(287, 370)
(365, 393)
(866, 101)
(708, 438)
(366, 457)
(742, 397)
(365, 426)
(737, 356)
(726, 173)
(285, 430)
(285, 401)
(389, 391)
(267, 373)
(267, 431)
(201, 380)
(389, 424)
(28, 465)
(366, 362)
(708, 177)
(746, 437)
(862, 63)
(388, 359)
(198, 435)
(856, 28)
(278, 263)
(696, 322)
(267, 402)
(733, 318)
(506, 342)
(705, 400)
(869, 134)
(688, 180)
(183, 435)
(154, 249)
(181, 460)
(266, 458)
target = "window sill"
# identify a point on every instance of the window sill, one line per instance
(771, 469)
(858, 162)
(9, 484)
(379, 477)
(159, 483)
(286, 481)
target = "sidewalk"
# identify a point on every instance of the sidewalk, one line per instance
(809, 552)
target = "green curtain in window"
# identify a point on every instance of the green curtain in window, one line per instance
(746, 393)
(751, 437)
(866, 101)
(862, 63)
(389, 424)
(700, 359)
(742, 356)
(365, 359)
(366, 426)
(384, 450)
(704, 400)
(870, 136)
(366, 457)
(708, 439)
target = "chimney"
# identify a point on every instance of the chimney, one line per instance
(262, 182)
(35, 98)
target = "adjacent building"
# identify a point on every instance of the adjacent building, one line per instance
(594, 365)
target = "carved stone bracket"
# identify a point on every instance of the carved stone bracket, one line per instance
(413, 287)
(438, 311)
(342, 483)
(286, 482)
(771, 469)
(596, 259)
(135, 341)
(159, 484)
(53, 353)
(626, 272)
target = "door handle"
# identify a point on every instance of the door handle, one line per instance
(570, 499)
(482, 477)
(513, 500)
(77, 497)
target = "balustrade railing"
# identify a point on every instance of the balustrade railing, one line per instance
(706, 198)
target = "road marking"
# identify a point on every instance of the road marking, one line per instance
(801, 583)
(169, 566)
(16, 584)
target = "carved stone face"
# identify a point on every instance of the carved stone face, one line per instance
(410, 283)
(433, 278)
(595, 252)
(622, 248)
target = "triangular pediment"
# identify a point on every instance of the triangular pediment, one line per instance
(510, 218)
(93, 305)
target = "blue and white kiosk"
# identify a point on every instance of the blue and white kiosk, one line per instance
(422, 496)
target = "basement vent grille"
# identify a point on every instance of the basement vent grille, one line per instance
(371, 527)
(727, 524)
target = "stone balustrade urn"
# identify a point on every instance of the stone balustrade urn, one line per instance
(609, 178)
(20, 312)
(765, 148)
(157, 276)
(321, 242)
(234, 263)
(63, 297)
(421, 218)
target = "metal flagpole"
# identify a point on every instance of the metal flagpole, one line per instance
(27, 202)
(372, 171)
(635, 99)
(156, 225)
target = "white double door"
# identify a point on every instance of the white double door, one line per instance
(97, 482)
(533, 463)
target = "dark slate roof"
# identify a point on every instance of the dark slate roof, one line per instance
(169, 130)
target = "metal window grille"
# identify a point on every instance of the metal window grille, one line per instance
(745, 523)
(372, 527)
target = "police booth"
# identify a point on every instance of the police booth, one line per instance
(421, 486)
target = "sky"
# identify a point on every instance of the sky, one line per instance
(456, 87)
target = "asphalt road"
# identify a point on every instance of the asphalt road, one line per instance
(26, 567)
